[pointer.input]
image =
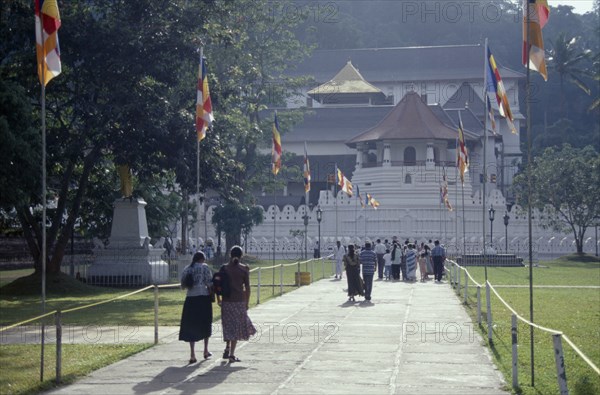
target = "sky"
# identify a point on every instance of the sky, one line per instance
(581, 6)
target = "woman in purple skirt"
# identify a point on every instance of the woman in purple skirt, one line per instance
(234, 307)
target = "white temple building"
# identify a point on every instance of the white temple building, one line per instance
(388, 118)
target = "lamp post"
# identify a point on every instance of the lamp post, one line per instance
(319, 218)
(491, 213)
(306, 235)
(506, 218)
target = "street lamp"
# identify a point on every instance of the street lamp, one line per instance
(306, 234)
(506, 218)
(491, 213)
(319, 218)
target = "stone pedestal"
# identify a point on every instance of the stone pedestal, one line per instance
(129, 259)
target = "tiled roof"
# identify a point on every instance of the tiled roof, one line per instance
(410, 119)
(448, 62)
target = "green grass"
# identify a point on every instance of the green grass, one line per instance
(20, 300)
(20, 373)
(17, 305)
(574, 311)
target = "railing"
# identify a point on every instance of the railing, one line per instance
(58, 314)
(454, 277)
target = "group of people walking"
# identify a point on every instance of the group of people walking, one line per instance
(391, 262)
(197, 315)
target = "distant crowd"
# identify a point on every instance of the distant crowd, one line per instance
(393, 261)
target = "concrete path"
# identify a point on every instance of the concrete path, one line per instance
(411, 339)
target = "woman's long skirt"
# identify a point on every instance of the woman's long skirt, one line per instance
(355, 285)
(236, 323)
(196, 319)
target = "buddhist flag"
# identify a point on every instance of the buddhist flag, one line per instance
(462, 161)
(306, 171)
(535, 17)
(204, 116)
(344, 184)
(491, 115)
(372, 202)
(496, 86)
(359, 197)
(444, 191)
(276, 150)
(47, 23)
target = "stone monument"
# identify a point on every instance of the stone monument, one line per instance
(129, 259)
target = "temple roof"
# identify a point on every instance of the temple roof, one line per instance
(410, 119)
(347, 81)
(380, 65)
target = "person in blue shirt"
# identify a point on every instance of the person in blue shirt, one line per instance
(368, 261)
(438, 254)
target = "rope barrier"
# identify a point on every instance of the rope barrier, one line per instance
(543, 328)
(27, 321)
(106, 301)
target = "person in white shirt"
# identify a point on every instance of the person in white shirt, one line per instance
(387, 264)
(338, 255)
(380, 251)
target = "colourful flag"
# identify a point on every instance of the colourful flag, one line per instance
(535, 17)
(344, 184)
(47, 23)
(276, 150)
(306, 171)
(372, 202)
(496, 86)
(462, 161)
(491, 115)
(359, 197)
(444, 191)
(204, 116)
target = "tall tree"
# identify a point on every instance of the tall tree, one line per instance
(567, 186)
(566, 59)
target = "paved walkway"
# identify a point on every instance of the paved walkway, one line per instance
(411, 339)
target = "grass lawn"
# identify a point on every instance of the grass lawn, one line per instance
(19, 364)
(574, 311)
(20, 372)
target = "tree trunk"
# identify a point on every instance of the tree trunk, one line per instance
(232, 239)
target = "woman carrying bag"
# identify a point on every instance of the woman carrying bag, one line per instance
(197, 315)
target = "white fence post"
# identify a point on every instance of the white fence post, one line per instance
(58, 346)
(515, 355)
(479, 305)
(281, 279)
(488, 303)
(561, 373)
(258, 287)
(155, 314)
(466, 285)
(312, 270)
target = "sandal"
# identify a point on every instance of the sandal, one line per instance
(233, 358)
(207, 355)
(226, 354)
(193, 360)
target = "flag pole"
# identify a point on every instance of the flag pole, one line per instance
(528, 109)
(274, 229)
(484, 170)
(198, 167)
(44, 205)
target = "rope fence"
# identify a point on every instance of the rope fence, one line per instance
(454, 270)
(58, 314)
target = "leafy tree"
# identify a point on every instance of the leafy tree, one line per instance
(119, 100)
(235, 219)
(565, 187)
(565, 59)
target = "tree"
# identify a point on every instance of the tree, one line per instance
(125, 97)
(235, 219)
(565, 188)
(565, 58)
